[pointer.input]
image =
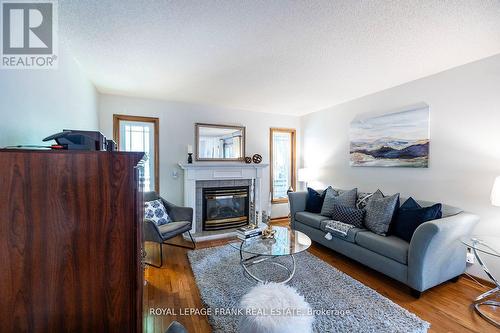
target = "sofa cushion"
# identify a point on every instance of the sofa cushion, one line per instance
(311, 219)
(172, 229)
(348, 215)
(410, 216)
(156, 212)
(388, 246)
(314, 200)
(380, 211)
(332, 198)
(351, 234)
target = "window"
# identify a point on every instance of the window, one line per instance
(133, 133)
(282, 146)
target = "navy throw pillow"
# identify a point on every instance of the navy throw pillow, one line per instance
(410, 203)
(314, 201)
(411, 215)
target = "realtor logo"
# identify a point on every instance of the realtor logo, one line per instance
(29, 31)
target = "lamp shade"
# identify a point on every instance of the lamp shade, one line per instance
(304, 175)
(495, 193)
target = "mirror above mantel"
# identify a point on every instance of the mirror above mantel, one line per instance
(219, 142)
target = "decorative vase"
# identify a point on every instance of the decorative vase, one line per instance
(248, 160)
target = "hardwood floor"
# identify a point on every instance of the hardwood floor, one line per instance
(446, 307)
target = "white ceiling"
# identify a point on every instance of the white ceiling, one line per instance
(290, 57)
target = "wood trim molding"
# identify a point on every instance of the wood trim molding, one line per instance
(156, 123)
(293, 148)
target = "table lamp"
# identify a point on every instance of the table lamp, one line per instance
(304, 175)
(495, 193)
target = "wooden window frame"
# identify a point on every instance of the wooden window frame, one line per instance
(156, 124)
(293, 133)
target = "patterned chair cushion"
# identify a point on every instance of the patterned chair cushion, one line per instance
(333, 197)
(156, 212)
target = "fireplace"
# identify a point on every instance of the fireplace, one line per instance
(225, 207)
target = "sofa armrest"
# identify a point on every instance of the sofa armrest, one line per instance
(436, 254)
(297, 202)
(151, 232)
(178, 213)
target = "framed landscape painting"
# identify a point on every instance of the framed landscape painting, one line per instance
(398, 139)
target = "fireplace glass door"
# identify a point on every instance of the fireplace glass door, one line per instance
(225, 207)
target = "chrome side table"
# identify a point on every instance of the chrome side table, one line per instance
(490, 246)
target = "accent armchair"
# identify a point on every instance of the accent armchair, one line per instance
(182, 221)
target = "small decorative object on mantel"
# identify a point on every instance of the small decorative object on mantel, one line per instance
(190, 154)
(257, 158)
(248, 160)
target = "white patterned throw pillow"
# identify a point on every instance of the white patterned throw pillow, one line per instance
(156, 212)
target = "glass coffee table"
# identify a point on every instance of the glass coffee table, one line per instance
(259, 251)
(488, 245)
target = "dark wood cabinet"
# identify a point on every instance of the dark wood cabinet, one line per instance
(70, 241)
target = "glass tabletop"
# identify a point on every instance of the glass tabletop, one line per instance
(486, 244)
(285, 242)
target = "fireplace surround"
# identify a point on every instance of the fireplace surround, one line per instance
(198, 176)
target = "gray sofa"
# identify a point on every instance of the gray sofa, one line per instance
(434, 255)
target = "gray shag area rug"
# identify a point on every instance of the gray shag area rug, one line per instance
(353, 306)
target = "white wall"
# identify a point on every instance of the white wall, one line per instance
(37, 103)
(177, 131)
(465, 142)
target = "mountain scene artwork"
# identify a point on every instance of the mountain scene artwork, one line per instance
(399, 139)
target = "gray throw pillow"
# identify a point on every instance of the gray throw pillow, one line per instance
(332, 198)
(362, 200)
(379, 212)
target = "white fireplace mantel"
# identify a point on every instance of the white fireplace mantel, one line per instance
(220, 171)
